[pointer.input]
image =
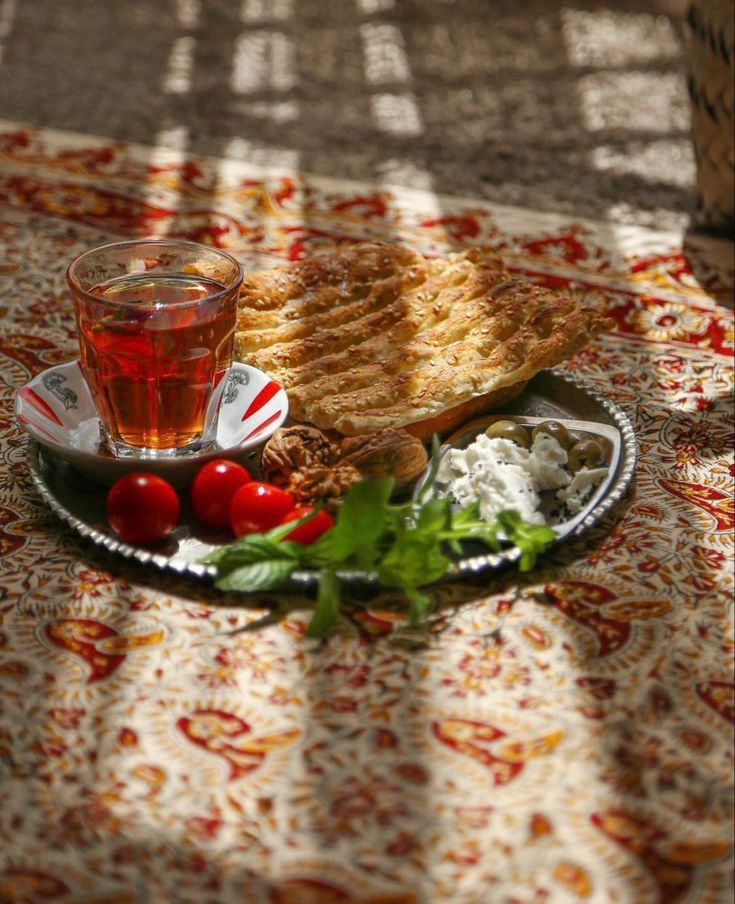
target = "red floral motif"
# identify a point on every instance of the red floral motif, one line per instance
(99, 645)
(658, 320)
(232, 739)
(671, 864)
(566, 246)
(691, 438)
(670, 365)
(458, 227)
(504, 757)
(33, 353)
(629, 540)
(714, 502)
(80, 636)
(367, 206)
(583, 603)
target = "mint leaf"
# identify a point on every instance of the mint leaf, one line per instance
(412, 561)
(250, 549)
(434, 515)
(326, 610)
(264, 575)
(283, 530)
(418, 605)
(362, 520)
(531, 539)
(467, 516)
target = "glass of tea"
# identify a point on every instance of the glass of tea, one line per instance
(156, 320)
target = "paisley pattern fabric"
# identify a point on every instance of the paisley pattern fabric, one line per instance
(562, 737)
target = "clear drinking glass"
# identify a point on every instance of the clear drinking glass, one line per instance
(156, 320)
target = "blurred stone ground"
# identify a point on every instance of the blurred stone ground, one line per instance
(576, 107)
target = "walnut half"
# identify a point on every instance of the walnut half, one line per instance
(322, 483)
(294, 448)
(389, 453)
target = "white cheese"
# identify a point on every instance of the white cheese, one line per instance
(577, 494)
(503, 475)
(546, 463)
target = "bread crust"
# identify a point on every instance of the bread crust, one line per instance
(376, 336)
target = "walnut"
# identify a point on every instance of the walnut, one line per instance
(322, 483)
(293, 448)
(390, 453)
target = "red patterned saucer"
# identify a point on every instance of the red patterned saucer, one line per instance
(56, 409)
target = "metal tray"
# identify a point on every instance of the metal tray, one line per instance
(81, 503)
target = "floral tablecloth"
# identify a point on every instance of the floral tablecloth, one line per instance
(558, 738)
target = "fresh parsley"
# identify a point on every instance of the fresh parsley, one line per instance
(407, 545)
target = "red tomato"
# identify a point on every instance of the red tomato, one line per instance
(257, 507)
(213, 488)
(312, 529)
(142, 508)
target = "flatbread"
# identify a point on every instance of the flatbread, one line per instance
(376, 336)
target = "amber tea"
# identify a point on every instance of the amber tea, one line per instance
(155, 350)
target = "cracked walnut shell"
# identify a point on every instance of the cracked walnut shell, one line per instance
(294, 448)
(389, 453)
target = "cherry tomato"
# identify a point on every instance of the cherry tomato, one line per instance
(213, 488)
(257, 507)
(142, 508)
(310, 530)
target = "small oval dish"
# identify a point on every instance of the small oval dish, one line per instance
(56, 409)
(563, 523)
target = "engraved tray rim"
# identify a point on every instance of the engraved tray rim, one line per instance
(40, 459)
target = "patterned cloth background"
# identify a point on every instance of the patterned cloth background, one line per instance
(559, 738)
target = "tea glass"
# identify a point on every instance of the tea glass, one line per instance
(156, 321)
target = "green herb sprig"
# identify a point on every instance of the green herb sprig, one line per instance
(406, 545)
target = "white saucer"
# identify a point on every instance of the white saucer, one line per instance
(56, 409)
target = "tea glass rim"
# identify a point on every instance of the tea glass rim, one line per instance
(165, 240)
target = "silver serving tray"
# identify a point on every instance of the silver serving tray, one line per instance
(81, 503)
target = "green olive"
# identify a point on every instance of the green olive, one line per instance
(516, 433)
(556, 430)
(587, 453)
